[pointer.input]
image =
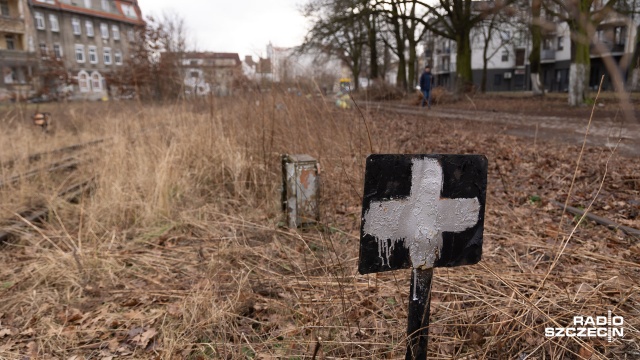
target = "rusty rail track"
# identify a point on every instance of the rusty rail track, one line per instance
(70, 163)
(36, 214)
(67, 149)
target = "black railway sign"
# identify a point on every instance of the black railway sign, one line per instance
(421, 212)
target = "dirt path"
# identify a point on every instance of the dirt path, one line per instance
(604, 131)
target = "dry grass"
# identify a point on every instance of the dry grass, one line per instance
(177, 253)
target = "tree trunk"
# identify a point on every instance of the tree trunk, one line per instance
(578, 71)
(413, 57)
(536, 84)
(485, 60)
(634, 65)
(464, 80)
(577, 76)
(536, 40)
(355, 74)
(401, 79)
(373, 48)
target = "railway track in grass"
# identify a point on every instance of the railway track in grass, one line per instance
(26, 218)
(62, 165)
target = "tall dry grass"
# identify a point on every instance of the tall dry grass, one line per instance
(176, 252)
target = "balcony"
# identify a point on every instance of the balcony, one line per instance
(548, 54)
(17, 56)
(606, 47)
(442, 68)
(12, 24)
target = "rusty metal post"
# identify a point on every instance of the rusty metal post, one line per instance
(300, 190)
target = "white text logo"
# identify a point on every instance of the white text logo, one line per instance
(608, 327)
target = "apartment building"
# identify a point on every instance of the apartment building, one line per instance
(90, 39)
(509, 46)
(17, 52)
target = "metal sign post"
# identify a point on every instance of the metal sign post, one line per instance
(421, 212)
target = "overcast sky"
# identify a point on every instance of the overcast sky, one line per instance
(241, 26)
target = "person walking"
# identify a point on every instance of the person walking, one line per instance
(426, 79)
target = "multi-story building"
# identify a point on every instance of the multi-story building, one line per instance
(208, 72)
(17, 52)
(509, 46)
(89, 39)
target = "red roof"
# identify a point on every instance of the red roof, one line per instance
(103, 14)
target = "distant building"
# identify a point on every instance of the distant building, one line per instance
(209, 72)
(17, 52)
(509, 46)
(287, 66)
(87, 38)
(260, 71)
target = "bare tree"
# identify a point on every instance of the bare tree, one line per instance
(338, 30)
(452, 19)
(495, 33)
(153, 69)
(405, 22)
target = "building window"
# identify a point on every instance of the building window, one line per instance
(4, 8)
(87, 4)
(83, 81)
(39, 20)
(131, 35)
(57, 51)
(104, 30)
(53, 19)
(93, 54)
(117, 57)
(497, 79)
(44, 50)
(129, 11)
(619, 35)
(107, 56)
(546, 44)
(560, 43)
(105, 5)
(115, 30)
(80, 53)
(89, 25)
(75, 24)
(96, 81)
(195, 74)
(505, 55)
(9, 75)
(11, 42)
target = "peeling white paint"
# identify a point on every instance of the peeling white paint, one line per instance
(415, 284)
(421, 218)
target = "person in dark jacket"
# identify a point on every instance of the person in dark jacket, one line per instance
(426, 79)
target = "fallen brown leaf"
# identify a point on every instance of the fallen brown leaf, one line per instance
(143, 339)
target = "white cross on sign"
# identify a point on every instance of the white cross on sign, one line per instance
(421, 218)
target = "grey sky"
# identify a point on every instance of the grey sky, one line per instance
(242, 26)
